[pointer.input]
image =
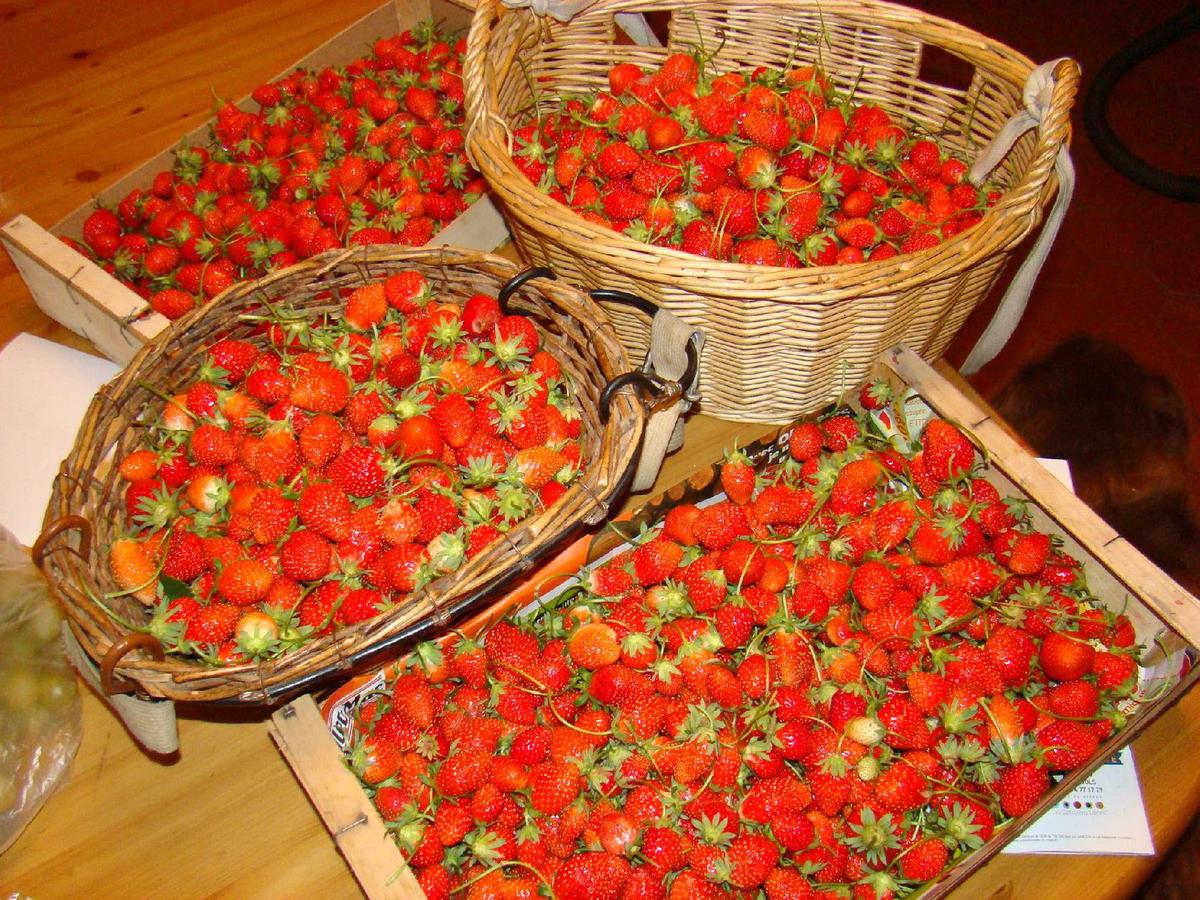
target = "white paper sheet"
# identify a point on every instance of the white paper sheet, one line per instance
(45, 390)
(1104, 815)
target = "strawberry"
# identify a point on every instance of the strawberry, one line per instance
(1114, 672)
(928, 691)
(1065, 657)
(186, 557)
(213, 624)
(1021, 786)
(1028, 553)
(1073, 699)
(617, 160)
(752, 858)
(655, 560)
(899, 788)
(947, 451)
(366, 307)
(924, 860)
(592, 876)
(905, 724)
(306, 556)
(1011, 650)
(553, 786)
(873, 585)
(594, 645)
(172, 303)
(717, 526)
(244, 582)
(805, 441)
(462, 773)
(663, 133)
(357, 471)
(1067, 744)
(319, 387)
(973, 575)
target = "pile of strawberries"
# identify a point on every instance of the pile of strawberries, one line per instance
(324, 474)
(367, 153)
(776, 168)
(836, 680)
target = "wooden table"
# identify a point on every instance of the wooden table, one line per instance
(86, 97)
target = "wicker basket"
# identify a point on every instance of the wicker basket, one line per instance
(779, 341)
(84, 513)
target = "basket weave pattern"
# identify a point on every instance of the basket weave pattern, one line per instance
(572, 327)
(779, 341)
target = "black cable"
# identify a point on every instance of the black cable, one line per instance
(1137, 170)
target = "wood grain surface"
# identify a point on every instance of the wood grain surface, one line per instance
(88, 94)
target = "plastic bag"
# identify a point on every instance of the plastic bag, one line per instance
(40, 713)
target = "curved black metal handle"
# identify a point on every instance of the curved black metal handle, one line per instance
(651, 384)
(518, 281)
(613, 295)
(655, 387)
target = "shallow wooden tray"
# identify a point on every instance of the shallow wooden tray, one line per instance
(1118, 574)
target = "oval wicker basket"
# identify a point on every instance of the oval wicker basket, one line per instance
(86, 506)
(779, 341)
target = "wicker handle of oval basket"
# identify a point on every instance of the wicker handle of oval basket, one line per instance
(480, 92)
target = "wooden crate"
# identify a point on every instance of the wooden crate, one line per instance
(78, 293)
(1166, 617)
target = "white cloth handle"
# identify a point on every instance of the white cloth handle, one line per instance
(1039, 88)
(150, 722)
(633, 24)
(667, 358)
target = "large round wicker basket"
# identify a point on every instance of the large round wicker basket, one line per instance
(86, 508)
(779, 341)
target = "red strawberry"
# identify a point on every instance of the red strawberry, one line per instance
(463, 772)
(805, 441)
(591, 876)
(1065, 657)
(1067, 744)
(594, 645)
(947, 451)
(1011, 650)
(1072, 699)
(172, 303)
(1021, 786)
(553, 786)
(357, 471)
(899, 788)
(973, 575)
(213, 624)
(737, 477)
(1028, 553)
(928, 691)
(924, 860)
(752, 858)
(717, 526)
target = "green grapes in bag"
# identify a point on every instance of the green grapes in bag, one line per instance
(40, 716)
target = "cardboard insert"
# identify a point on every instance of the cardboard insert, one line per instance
(1118, 575)
(79, 294)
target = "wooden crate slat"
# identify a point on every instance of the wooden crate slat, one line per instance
(357, 829)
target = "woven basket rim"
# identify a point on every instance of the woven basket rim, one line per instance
(1007, 222)
(185, 678)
